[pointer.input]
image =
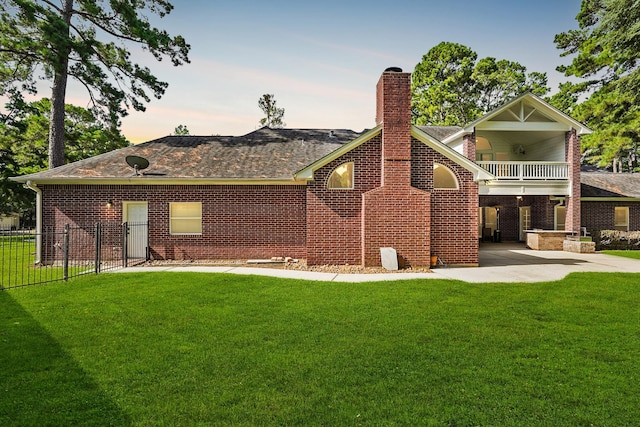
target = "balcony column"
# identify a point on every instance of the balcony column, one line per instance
(572, 152)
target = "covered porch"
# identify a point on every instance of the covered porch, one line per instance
(504, 219)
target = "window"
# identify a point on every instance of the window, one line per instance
(482, 144)
(443, 178)
(185, 218)
(560, 216)
(621, 218)
(341, 178)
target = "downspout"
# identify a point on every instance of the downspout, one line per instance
(33, 186)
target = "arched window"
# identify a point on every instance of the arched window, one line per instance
(341, 178)
(483, 144)
(484, 150)
(444, 178)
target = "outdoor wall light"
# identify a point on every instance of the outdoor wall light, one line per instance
(109, 204)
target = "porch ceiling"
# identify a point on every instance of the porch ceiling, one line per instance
(525, 138)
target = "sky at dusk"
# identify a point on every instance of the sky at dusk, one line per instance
(322, 59)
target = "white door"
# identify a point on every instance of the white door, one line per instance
(135, 214)
(524, 222)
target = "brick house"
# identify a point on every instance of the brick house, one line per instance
(610, 201)
(336, 196)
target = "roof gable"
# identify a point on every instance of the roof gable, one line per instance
(527, 112)
(307, 172)
(416, 132)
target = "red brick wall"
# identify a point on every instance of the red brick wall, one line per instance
(238, 221)
(397, 217)
(600, 215)
(454, 213)
(334, 217)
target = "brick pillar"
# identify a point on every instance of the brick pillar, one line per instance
(469, 146)
(393, 111)
(572, 152)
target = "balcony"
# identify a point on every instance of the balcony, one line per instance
(527, 171)
(526, 178)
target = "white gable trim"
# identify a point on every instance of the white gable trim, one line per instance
(307, 173)
(563, 122)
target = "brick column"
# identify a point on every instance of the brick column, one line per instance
(469, 146)
(572, 153)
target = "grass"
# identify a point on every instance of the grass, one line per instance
(623, 253)
(18, 263)
(17, 257)
(212, 349)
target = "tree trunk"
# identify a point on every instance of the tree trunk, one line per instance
(58, 94)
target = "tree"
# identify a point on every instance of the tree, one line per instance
(441, 86)
(87, 41)
(274, 115)
(605, 51)
(24, 139)
(450, 86)
(613, 114)
(498, 81)
(181, 130)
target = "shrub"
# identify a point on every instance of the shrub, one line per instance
(616, 239)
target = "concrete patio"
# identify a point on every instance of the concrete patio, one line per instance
(514, 262)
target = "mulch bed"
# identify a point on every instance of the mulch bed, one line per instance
(292, 265)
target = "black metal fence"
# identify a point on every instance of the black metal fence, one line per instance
(29, 258)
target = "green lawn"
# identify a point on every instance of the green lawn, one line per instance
(17, 257)
(18, 263)
(213, 349)
(626, 254)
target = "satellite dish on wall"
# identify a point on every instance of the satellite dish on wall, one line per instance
(137, 163)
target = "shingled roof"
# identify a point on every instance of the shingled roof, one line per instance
(607, 184)
(440, 132)
(265, 154)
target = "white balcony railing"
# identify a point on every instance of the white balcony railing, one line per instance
(523, 171)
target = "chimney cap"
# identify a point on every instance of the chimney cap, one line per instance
(393, 70)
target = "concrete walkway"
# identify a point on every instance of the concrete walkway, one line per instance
(499, 262)
(508, 262)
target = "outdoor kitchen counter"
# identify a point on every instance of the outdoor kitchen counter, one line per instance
(546, 240)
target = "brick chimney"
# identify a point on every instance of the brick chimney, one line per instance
(396, 214)
(393, 111)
